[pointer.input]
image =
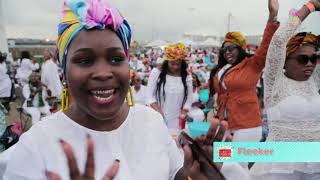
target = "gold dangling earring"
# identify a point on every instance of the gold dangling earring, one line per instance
(129, 98)
(65, 98)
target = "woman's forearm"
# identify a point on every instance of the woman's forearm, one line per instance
(303, 13)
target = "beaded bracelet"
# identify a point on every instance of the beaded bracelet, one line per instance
(294, 17)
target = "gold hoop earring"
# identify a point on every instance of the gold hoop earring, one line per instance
(130, 98)
(65, 98)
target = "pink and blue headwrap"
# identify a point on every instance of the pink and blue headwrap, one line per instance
(89, 14)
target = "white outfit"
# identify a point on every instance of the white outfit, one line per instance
(6, 85)
(140, 96)
(293, 109)
(142, 144)
(50, 77)
(171, 105)
(25, 70)
(35, 111)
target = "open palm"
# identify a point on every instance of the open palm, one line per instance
(89, 168)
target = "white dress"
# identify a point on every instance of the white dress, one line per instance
(142, 144)
(171, 105)
(50, 77)
(140, 96)
(24, 71)
(293, 107)
(5, 82)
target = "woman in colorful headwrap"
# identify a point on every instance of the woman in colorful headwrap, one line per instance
(171, 89)
(292, 100)
(93, 46)
(35, 94)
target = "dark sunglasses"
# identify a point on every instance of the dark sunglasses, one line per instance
(304, 59)
(229, 48)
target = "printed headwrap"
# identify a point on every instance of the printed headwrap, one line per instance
(236, 38)
(302, 39)
(89, 14)
(175, 52)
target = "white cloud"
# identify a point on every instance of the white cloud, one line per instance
(166, 19)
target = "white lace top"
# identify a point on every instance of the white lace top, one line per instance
(293, 107)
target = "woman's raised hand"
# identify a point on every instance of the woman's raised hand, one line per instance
(316, 4)
(273, 9)
(89, 168)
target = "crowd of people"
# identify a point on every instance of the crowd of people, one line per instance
(122, 111)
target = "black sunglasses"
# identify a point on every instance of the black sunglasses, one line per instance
(304, 59)
(229, 48)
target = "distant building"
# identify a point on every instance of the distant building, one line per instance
(34, 46)
(198, 38)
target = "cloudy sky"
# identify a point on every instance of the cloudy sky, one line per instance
(154, 19)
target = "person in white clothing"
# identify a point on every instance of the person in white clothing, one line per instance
(138, 90)
(50, 75)
(196, 113)
(35, 95)
(6, 85)
(292, 100)
(26, 67)
(111, 139)
(171, 88)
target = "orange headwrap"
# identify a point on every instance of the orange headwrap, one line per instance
(176, 52)
(302, 39)
(236, 38)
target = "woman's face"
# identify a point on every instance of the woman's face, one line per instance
(97, 73)
(194, 80)
(174, 66)
(34, 78)
(301, 64)
(137, 81)
(230, 52)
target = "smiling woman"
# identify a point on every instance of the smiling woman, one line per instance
(111, 139)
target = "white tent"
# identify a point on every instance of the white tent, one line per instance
(157, 43)
(210, 42)
(187, 42)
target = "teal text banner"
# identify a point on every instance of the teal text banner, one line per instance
(266, 152)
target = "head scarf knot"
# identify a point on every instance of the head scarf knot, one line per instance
(236, 38)
(302, 39)
(89, 14)
(176, 52)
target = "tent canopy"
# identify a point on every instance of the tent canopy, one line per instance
(157, 43)
(210, 42)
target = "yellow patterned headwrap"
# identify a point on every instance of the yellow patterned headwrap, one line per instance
(175, 52)
(302, 39)
(236, 38)
(89, 14)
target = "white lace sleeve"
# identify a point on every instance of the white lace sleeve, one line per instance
(151, 87)
(276, 59)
